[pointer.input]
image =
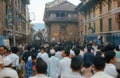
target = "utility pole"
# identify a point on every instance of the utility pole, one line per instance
(13, 24)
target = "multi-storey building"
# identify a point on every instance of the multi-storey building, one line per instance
(101, 20)
(61, 21)
(14, 13)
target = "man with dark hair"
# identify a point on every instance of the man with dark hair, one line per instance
(64, 64)
(89, 56)
(27, 53)
(41, 69)
(29, 66)
(110, 58)
(2, 52)
(77, 53)
(99, 65)
(109, 47)
(76, 65)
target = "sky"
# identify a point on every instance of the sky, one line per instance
(37, 7)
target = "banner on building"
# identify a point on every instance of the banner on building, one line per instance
(9, 17)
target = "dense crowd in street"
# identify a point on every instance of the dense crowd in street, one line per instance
(61, 60)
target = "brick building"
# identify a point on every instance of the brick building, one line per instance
(61, 21)
(14, 13)
(101, 20)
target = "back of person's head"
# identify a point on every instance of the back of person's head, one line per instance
(86, 64)
(77, 51)
(117, 48)
(42, 48)
(41, 66)
(67, 51)
(59, 48)
(98, 53)
(76, 63)
(14, 50)
(99, 63)
(89, 48)
(33, 56)
(82, 48)
(109, 48)
(29, 48)
(109, 55)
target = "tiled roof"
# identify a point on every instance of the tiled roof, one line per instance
(64, 6)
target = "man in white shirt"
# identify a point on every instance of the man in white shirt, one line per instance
(15, 59)
(110, 68)
(7, 71)
(53, 63)
(40, 69)
(64, 64)
(99, 65)
(58, 54)
(76, 64)
(43, 55)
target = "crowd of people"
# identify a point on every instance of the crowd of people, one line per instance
(61, 60)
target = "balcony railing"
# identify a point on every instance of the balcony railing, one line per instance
(61, 19)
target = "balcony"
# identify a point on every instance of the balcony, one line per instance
(61, 19)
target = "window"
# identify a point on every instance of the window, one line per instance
(118, 3)
(89, 24)
(110, 24)
(109, 5)
(100, 8)
(57, 14)
(62, 14)
(94, 27)
(101, 25)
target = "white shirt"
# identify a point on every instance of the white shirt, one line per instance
(15, 59)
(44, 56)
(82, 53)
(39, 76)
(1, 59)
(8, 72)
(110, 69)
(73, 75)
(53, 63)
(101, 75)
(64, 66)
(58, 54)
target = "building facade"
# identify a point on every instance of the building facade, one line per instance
(61, 21)
(14, 17)
(101, 20)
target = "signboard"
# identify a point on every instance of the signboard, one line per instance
(55, 34)
(9, 17)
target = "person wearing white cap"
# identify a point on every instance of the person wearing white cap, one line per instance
(53, 63)
(72, 53)
(7, 71)
(43, 54)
